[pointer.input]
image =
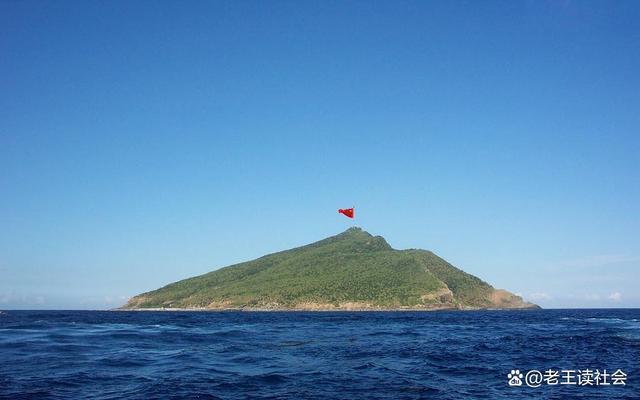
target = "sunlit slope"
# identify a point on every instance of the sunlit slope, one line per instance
(352, 270)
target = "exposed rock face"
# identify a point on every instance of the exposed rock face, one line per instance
(443, 295)
(350, 271)
(504, 299)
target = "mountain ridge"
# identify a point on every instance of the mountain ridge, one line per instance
(353, 270)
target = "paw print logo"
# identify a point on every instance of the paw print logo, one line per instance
(515, 377)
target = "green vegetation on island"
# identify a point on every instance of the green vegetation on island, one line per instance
(350, 271)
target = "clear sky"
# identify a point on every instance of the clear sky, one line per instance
(144, 142)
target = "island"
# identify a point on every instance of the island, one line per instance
(352, 271)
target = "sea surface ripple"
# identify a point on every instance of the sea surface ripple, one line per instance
(312, 355)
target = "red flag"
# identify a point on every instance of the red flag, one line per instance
(348, 212)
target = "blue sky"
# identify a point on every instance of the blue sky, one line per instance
(145, 142)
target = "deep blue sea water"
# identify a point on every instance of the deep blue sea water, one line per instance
(291, 355)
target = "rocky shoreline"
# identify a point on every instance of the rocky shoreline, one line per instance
(337, 309)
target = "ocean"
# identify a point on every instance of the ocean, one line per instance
(320, 355)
